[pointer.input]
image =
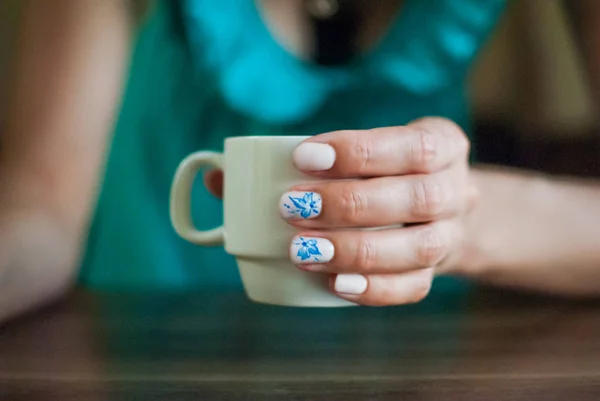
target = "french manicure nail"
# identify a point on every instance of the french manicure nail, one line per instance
(311, 250)
(353, 284)
(300, 205)
(310, 156)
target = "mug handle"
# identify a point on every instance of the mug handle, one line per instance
(181, 195)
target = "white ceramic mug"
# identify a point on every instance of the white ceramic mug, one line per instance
(257, 171)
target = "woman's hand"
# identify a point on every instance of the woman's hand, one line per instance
(529, 231)
(415, 175)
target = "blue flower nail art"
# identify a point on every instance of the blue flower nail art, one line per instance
(311, 250)
(307, 248)
(307, 205)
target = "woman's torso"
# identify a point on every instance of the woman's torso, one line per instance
(205, 70)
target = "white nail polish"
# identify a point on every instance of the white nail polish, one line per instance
(310, 156)
(300, 205)
(305, 250)
(354, 284)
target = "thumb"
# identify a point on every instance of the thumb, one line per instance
(213, 180)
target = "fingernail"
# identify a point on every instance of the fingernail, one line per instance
(354, 284)
(310, 156)
(311, 250)
(300, 205)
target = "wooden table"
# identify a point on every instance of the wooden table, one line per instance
(485, 346)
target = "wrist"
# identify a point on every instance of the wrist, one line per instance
(533, 232)
(498, 230)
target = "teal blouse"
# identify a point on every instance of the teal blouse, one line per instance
(203, 70)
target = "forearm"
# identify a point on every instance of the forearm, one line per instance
(66, 89)
(537, 232)
(534, 232)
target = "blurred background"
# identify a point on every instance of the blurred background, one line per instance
(529, 90)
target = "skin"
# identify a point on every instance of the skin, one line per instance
(505, 227)
(434, 187)
(412, 174)
(69, 72)
(498, 226)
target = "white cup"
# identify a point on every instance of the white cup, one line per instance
(257, 171)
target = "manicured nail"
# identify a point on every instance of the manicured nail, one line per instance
(311, 250)
(310, 156)
(300, 205)
(353, 284)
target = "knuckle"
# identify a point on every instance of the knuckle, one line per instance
(428, 198)
(365, 255)
(353, 204)
(464, 145)
(425, 150)
(431, 247)
(421, 291)
(362, 155)
(455, 132)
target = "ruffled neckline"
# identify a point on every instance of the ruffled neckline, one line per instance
(428, 46)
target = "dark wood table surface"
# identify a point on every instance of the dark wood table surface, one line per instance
(483, 345)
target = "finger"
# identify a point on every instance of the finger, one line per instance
(213, 181)
(376, 252)
(424, 146)
(383, 289)
(375, 202)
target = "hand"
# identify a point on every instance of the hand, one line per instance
(415, 175)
